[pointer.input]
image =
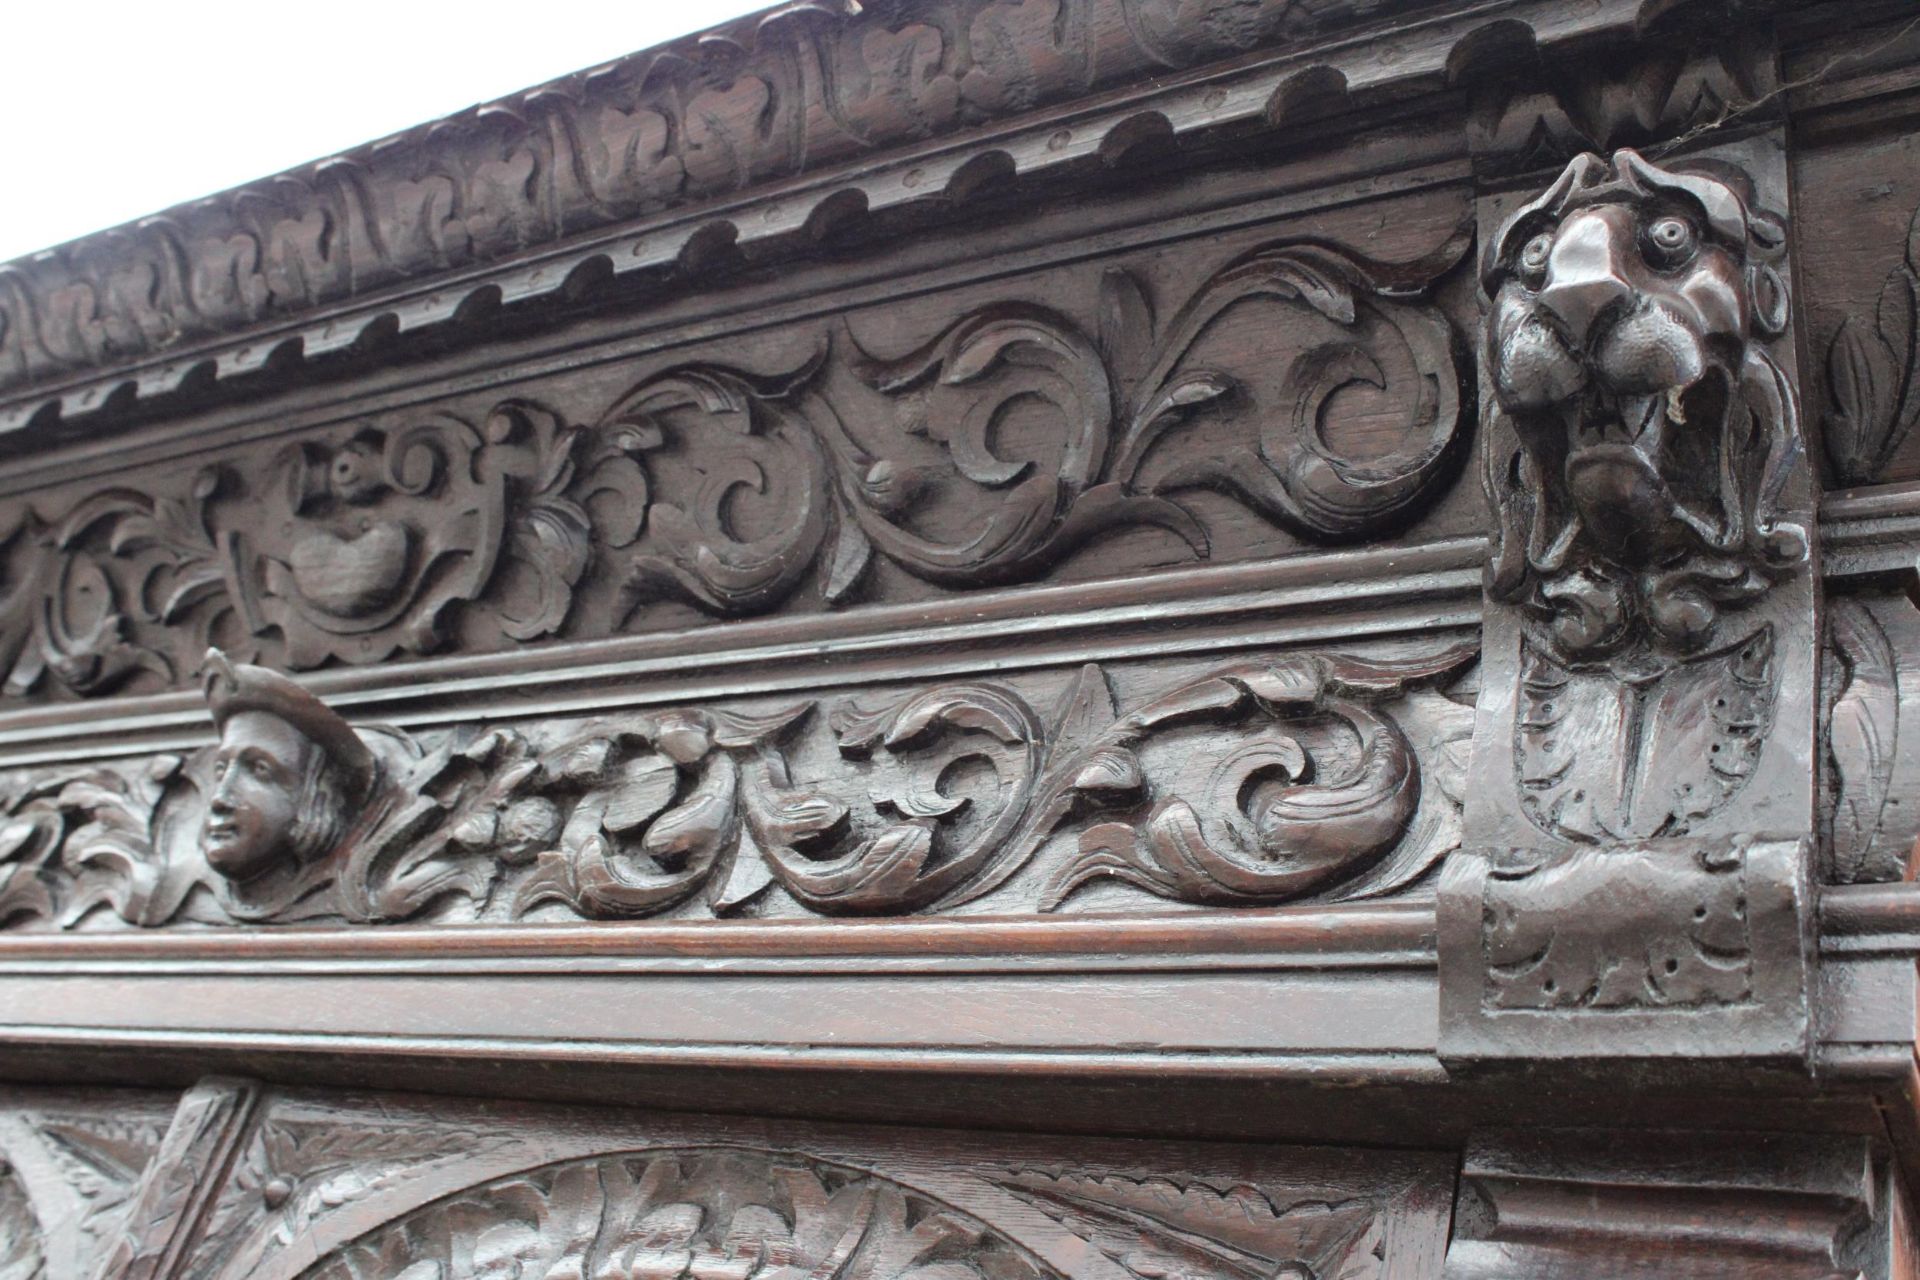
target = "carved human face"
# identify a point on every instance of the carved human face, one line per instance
(1618, 333)
(259, 783)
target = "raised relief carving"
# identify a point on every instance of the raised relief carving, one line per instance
(1686, 945)
(1159, 1226)
(1641, 447)
(1709, 934)
(1869, 819)
(722, 1211)
(183, 1178)
(1256, 783)
(71, 1167)
(798, 89)
(1873, 376)
(1324, 391)
(20, 1257)
(1522, 119)
(357, 547)
(287, 777)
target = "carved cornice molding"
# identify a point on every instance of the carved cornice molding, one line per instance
(746, 135)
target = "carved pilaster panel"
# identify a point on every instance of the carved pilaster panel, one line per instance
(1299, 775)
(1640, 826)
(1871, 801)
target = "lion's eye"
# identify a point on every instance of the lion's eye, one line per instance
(1670, 241)
(1533, 258)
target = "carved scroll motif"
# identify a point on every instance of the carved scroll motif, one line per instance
(1260, 782)
(731, 491)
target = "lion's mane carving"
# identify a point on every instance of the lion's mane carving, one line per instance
(1642, 435)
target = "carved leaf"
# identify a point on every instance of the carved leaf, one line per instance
(1863, 736)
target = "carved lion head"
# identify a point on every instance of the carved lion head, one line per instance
(1651, 434)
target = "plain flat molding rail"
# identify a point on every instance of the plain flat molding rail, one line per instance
(1344, 992)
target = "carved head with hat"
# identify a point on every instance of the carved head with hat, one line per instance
(288, 776)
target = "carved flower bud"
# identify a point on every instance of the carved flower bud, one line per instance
(529, 826)
(889, 487)
(354, 473)
(683, 738)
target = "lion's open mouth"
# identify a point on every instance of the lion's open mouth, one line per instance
(1645, 469)
(1647, 422)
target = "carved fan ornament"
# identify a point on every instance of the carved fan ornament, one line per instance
(1260, 782)
(730, 490)
(733, 1212)
(1642, 442)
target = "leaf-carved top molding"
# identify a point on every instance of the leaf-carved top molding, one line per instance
(1300, 388)
(514, 201)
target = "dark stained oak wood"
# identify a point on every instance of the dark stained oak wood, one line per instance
(990, 640)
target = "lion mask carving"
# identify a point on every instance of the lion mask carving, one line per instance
(1651, 434)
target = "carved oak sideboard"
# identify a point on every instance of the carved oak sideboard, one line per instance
(986, 640)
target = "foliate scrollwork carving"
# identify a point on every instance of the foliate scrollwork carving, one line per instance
(1321, 390)
(1261, 782)
(796, 89)
(357, 547)
(911, 471)
(725, 1211)
(1642, 450)
(1317, 786)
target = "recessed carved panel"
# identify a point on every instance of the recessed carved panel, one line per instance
(1301, 775)
(70, 1174)
(384, 1188)
(1301, 389)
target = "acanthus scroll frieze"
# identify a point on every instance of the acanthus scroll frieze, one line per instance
(1298, 776)
(1321, 392)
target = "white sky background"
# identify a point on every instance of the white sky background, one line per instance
(115, 109)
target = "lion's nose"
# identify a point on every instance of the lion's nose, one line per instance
(1585, 279)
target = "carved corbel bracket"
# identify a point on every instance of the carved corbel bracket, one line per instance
(1641, 812)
